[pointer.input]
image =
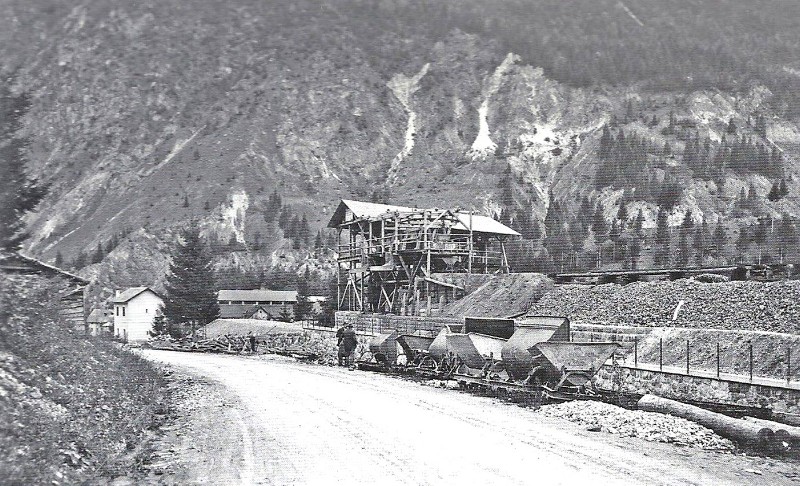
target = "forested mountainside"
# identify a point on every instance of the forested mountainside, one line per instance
(592, 126)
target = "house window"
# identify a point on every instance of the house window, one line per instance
(117, 311)
(123, 312)
(145, 310)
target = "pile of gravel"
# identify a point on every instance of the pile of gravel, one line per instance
(765, 306)
(654, 427)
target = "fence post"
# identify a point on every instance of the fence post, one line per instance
(635, 351)
(788, 363)
(687, 356)
(661, 354)
(750, 345)
(717, 359)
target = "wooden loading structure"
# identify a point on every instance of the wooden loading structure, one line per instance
(402, 260)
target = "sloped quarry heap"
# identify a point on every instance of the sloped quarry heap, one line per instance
(502, 295)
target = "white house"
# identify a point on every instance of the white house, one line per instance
(134, 311)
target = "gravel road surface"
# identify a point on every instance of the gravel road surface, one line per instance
(272, 420)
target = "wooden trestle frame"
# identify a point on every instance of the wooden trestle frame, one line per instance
(389, 262)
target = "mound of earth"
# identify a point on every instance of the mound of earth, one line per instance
(502, 295)
(765, 306)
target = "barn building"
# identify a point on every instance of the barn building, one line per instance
(134, 311)
(71, 301)
(256, 304)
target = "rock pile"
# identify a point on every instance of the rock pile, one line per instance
(766, 306)
(501, 296)
(654, 427)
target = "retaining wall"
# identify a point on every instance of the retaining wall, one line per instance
(679, 386)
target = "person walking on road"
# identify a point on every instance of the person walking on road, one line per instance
(347, 345)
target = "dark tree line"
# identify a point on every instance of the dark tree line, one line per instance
(19, 192)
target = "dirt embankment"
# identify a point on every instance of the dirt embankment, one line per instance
(73, 410)
(501, 296)
(770, 306)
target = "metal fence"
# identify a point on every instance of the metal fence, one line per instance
(704, 358)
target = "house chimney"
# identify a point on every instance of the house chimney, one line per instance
(117, 292)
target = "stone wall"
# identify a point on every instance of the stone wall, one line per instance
(678, 386)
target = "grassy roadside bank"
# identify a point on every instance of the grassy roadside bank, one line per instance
(72, 409)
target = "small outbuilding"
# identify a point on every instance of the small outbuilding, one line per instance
(71, 306)
(99, 323)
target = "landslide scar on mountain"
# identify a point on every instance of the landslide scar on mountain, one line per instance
(403, 88)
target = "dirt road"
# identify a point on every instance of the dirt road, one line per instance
(271, 420)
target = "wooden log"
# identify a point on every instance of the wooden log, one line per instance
(745, 433)
(791, 432)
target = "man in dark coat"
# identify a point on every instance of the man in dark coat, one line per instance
(347, 344)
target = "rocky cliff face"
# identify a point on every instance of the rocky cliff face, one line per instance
(148, 114)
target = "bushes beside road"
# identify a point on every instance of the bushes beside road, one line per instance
(72, 409)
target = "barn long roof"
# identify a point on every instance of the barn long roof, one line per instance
(258, 295)
(368, 210)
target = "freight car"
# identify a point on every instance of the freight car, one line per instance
(537, 358)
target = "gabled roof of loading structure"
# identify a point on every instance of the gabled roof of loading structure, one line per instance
(367, 210)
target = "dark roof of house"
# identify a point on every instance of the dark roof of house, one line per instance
(239, 311)
(130, 293)
(367, 210)
(258, 295)
(19, 263)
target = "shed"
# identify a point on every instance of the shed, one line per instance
(71, 302)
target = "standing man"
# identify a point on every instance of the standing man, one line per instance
(252, 341)
(339, 333)
(347, 345)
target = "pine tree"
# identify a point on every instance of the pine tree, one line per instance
(304, 232)
(19, 193)
(80, 260)
(59, 260)
(699, 244)
(185, 201)
(731, 129)
(720, 238)
(774, 192)
(783, 189)
(622, 214)
(318, 243)
(98, 254)
(599, 224)
(688, 220)
(761, 126)
(190, 291)
(662, 238)
(682, 257)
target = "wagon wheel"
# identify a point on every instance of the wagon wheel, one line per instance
(428, 363)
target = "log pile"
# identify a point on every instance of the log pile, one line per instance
(316, 347)
(654, 427)
(766, 306)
